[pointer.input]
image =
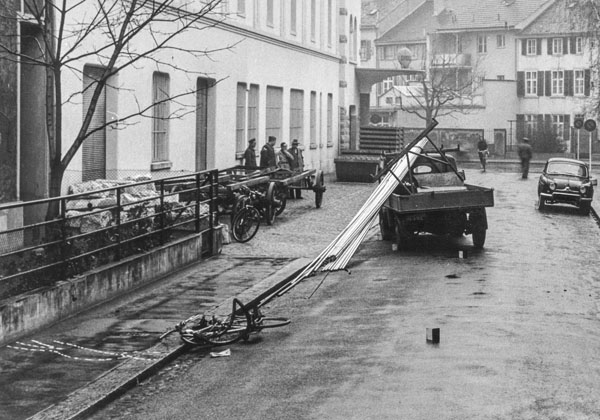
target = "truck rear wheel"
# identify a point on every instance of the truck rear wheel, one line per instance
(386, 225)
(404, 236)
(478, 221)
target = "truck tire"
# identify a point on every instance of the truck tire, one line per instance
(386, 225)
(478, 221)
(404, 237)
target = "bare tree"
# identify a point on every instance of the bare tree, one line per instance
(117, 34)
(448, 87)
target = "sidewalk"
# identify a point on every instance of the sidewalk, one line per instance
(67, 369)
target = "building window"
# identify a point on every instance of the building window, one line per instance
(273, 111)
(388, 52)
(557, 46)
(389, 100)
(558, 124)
(313, 119)
(297, 115)
(531, 47)
(365, 50)
(293, 19)
(270, 13)
(160, 117)
(240, 118)
(500, 77)
(482, 44)
(388, 83)
(579, 45)
(313, 20)
(241, 7)
(253, 95)
(579, 82)
(530, 125)
(329, 119)
(531, 82)
(558, 83)
(500, 41)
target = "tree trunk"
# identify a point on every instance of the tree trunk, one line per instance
(55, 184)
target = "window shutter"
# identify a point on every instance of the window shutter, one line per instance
(547, 83)
(568, 82)
(523, 47)
(587, 83)
(539, 133)
(520, 127)
(540, 83)
(538, 49)
(520, 84)
(573, 45)
(566, 127)
(549, 45)
(565, 45)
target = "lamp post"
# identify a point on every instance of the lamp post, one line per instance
(404, 57)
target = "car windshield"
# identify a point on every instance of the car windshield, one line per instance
(566, 168)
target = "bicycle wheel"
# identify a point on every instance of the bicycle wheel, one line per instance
(245, 224)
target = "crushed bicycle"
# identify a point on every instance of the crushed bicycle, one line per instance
(200, 330)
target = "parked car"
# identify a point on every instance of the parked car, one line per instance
(566, 181)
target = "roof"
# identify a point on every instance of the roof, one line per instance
(557, 17)
(462, 15)
(374, 10)
(485, 14)
(414, 27)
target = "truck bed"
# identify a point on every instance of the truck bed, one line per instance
(429, 199)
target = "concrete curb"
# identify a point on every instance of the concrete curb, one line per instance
(114, 383)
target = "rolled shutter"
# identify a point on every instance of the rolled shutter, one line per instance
(93, 150)
(547, 83)
(520, 84)
(569, 83)
(540, 83)
(587, 82)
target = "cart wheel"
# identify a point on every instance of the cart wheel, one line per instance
(270, 206)
(281, 196)
(478, 221)
(319, 188)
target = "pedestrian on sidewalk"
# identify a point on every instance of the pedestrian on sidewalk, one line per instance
(284, 158)
(525, 153)
(267, 153)
(482, 150)
(250, 154)
(296, 166)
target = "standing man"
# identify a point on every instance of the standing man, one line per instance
(297, 165)
(250, 154)
(267, 153)
(525, 153)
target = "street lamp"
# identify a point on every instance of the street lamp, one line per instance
(404, 57)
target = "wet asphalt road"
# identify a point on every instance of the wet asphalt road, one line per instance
(519, 332)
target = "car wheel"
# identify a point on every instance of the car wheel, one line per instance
(541, 203)
(478, 221)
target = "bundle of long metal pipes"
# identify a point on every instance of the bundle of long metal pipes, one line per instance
(338, 253)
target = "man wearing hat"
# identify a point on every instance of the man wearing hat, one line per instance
(267, 153)
(525, 153)
(250, 154)
(297, 165)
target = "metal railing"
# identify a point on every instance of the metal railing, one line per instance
(100, 226)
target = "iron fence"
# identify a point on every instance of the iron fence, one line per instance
(99, 222)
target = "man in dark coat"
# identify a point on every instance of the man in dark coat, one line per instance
(267, 154)
(525, 153)
(250, 154)
(297, 165)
